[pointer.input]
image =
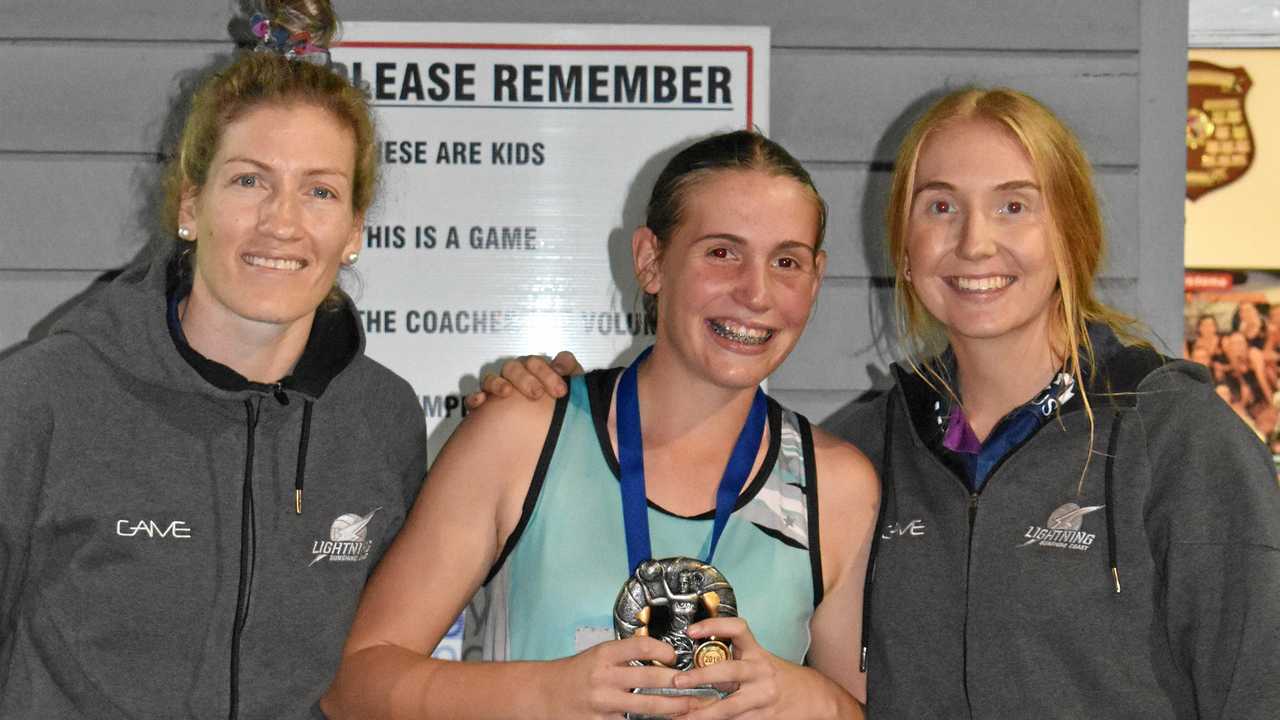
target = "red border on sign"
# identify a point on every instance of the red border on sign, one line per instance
(750, 51)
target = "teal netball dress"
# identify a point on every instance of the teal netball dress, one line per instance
(551, 592)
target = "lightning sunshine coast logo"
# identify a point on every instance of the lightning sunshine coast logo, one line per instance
(348, 539)
(1063, 529)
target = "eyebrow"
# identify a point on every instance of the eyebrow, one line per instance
(735, 239)
(264, 166)
(738, 240)
(1003, 187)
(790, 244)
(933, 185)
(1018, 185)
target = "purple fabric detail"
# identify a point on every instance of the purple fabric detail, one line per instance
(959, 437)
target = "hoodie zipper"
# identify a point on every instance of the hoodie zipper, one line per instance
(974, 497)
(968, 567)
(253, 407)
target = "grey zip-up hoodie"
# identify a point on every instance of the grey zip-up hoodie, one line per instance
(153, 563)
(1153, 592)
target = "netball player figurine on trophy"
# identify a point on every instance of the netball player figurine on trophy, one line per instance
(661, 600)
(664, 597)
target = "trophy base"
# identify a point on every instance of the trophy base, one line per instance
(705, 691)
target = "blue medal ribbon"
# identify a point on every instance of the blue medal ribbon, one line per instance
(635, 511)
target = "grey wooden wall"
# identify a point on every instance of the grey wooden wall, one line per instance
(87, 87)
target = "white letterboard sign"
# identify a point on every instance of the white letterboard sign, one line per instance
(517, 159)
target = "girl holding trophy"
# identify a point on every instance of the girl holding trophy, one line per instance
(604, 520)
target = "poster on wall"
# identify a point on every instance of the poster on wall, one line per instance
(517, 159)
(1232, 321)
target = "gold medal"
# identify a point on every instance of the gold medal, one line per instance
(709, 653)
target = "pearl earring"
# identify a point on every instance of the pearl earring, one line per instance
(907, 274)
(184, 232)
(353, 258)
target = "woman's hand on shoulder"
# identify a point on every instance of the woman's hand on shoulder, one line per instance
(529, 376)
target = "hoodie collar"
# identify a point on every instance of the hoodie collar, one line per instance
(1115, 375)
(334, 340)
(126, 322)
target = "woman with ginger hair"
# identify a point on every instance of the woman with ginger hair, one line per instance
(1103, 534)
(200, 466)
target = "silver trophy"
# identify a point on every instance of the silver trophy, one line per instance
(661, 600)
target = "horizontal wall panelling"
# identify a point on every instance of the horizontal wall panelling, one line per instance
(1048, 25)
(830, 105)
(31, 300)
(96, 97)
(826, 105)
(73, 212)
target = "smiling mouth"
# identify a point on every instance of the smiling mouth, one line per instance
(271, 263)
(988, 283)
(738, 333)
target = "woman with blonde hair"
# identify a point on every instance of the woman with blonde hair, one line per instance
(1072, 525)
(200, 466)
(1099, 535)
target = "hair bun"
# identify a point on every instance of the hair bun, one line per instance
(314, 18)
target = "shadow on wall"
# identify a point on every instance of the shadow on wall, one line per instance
(149, 183)
(883, 345)
(42, 327)
(634, 212)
